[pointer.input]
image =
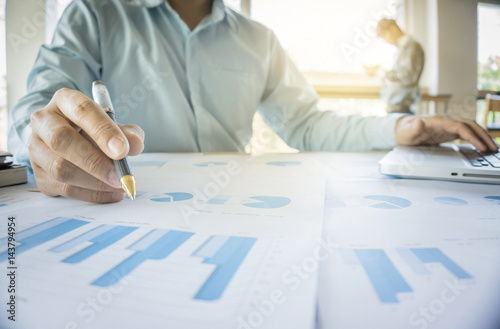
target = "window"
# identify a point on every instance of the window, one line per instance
(488, 56)
(329, 36)
(330, 41)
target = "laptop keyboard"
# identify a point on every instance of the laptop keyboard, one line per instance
(478, 159)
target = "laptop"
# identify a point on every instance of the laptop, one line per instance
(453, 162)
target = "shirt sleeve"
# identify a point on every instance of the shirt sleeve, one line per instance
(289, 107)
(72, 60)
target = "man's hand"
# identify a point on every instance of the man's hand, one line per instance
(435, 129)
(71, 145)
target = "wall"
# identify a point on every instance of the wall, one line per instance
(447, 30)
(25, 32)
(457, 54)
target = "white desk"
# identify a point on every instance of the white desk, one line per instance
(373, 253)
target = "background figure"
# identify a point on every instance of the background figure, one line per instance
(400, 89)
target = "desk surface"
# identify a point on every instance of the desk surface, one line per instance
(267, 246)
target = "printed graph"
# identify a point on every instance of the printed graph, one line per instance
(267, 202)
(224, 253)
(227, 253)
(173, 197)
(388, 202)
(450, 201)
(260, 202)
(42, 233)
(384, 276)
(493, 198)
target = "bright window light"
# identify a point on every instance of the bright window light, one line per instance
(330, 36)
(488, 47)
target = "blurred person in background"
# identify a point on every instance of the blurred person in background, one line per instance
(400, 85)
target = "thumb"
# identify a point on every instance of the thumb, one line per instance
(135, 137)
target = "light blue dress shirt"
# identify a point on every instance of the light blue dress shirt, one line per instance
(189, 91)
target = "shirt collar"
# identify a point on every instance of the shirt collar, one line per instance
(219, 10)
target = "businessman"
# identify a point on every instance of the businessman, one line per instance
(189, 75)
(400, 88)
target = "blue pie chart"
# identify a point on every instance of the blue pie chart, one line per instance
(268, 202)
(451, 201)
(388, 202)
(494, 198)
(173, 197)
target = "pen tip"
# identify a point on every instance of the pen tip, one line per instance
(97, 82)
(128, 185)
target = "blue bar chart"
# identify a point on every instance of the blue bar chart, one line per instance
(41, 233)
(386, 278)
(101, 237)
(155, 245)
(435, 255)
(227, 253)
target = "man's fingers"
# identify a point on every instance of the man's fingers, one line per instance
(41, 178)
(53, 188)
(482, 134)
(461, 129)
(63, 171)
(135, 137)
(78, 193)
(437, 129)
(68, 144)
(89, 116)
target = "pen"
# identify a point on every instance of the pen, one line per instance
(101, 97)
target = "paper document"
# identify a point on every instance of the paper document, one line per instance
(210, 242)
(411, 254)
